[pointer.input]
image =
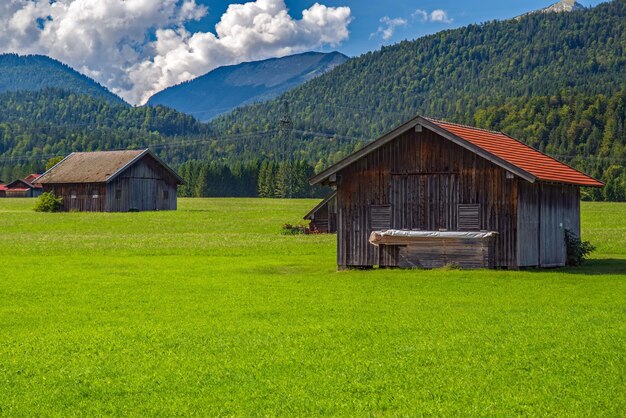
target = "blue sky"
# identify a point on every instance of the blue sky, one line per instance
(367, 14)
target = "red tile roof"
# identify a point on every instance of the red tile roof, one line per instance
(32, 177)
(540, 165)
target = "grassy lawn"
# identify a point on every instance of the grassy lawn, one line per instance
(210, 311)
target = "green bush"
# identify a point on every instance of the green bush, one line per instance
(289, 229)
(48, 202)
(577, 250)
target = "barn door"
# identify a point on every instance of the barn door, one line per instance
(425, 201)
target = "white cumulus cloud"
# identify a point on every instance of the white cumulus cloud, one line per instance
(440, 16)
(437, 15)
(388, 27)
(138, 47)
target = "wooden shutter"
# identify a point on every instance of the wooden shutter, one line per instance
(468, 217)
(380, 217)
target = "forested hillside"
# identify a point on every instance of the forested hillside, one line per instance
(36, 72)
(35, 126)
(561, 76)
(452, 73)
(38, 126)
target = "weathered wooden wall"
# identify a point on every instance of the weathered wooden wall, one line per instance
(84, 193)
(18, 193)
(146, 185)
(319, 220)
(545, 211)
(438, 252)
(421, 178)
(325, 218)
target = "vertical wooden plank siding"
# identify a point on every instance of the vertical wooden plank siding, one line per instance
(528, 243)
(423, 177)
(145, 185)
(321, 219)
(545, 211)
(559, 209)
(84, 200)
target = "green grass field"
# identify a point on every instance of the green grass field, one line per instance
(210, 311)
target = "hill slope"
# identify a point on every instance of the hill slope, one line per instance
(36, 72)
(452, 73)
(225, 88)
(35, 126)
(496, 67)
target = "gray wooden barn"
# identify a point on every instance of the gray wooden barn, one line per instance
(431, 193)
(113, 181)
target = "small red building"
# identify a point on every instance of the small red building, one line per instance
(22, 187)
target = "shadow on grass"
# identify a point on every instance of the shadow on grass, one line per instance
(598, 266)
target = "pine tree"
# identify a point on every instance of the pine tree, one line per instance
(202, 184)
(263, 183)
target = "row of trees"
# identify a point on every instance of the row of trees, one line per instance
(287, 179)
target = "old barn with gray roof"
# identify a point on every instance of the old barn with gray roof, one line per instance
(113, 181)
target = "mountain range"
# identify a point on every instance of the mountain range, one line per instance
(36, 72)
(226, 88)
(453, 73)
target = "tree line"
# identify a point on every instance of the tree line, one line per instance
(273, 179)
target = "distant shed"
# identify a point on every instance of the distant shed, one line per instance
(323, 217)
(21, 188)
(396, 196)
(113, 181)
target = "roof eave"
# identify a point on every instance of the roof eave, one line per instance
(325, 175)
(478, 151)
(338, 166)
(598, 185)
(320, 205)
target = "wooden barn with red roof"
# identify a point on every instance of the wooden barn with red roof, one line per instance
(431, 193)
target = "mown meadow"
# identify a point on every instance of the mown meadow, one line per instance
(209, 310)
